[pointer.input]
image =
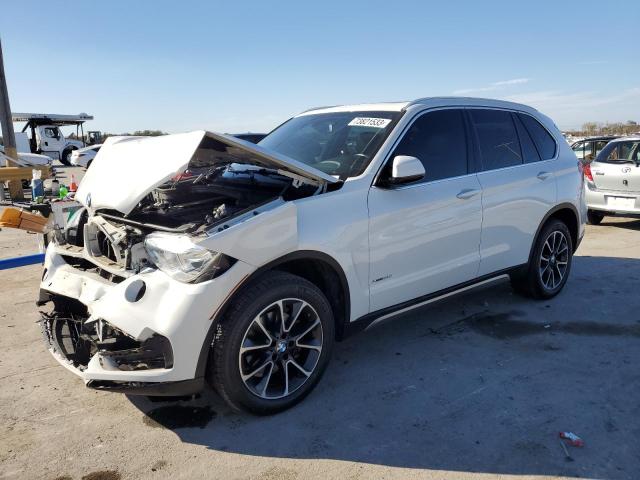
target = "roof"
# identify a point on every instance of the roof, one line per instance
(631, 138)
(598, 137)
(51, 118)
(362, 107)
(426, 101)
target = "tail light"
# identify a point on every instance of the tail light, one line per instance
(586, 172)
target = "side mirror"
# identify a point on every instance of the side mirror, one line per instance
(405, 169)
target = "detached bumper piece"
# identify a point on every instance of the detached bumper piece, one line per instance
(156, 389)
(67, 334)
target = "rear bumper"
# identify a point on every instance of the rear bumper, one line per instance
(606, 201)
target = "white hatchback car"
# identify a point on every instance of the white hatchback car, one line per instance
(214, 258)
(613, 180)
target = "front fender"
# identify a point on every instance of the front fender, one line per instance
(260, 238)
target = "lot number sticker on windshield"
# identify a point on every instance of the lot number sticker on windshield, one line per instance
(369, 122)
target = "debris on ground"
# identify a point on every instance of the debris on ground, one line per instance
(574, 439)
(568, 457)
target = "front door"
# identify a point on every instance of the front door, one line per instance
(425, 236)
(51, 140)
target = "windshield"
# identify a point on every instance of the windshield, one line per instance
(339, 144)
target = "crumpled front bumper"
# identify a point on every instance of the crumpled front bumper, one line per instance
(178, 312)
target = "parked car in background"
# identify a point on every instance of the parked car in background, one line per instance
(84, 156)
(613, 180)
(250, 137)
(199, 256)
(589, 148)
(26, 159)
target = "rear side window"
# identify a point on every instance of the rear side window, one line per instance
(497, 138)
(544, 141)
(600, 144)
(529, 151)
(439, 140)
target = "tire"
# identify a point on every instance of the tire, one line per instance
(65, 158)
(271, 377)
(594, 218)
(549, 265)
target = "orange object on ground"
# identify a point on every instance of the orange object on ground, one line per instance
(11, 217)
(74, 186)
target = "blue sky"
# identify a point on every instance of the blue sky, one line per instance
(247, 66)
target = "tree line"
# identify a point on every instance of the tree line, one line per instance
(590, 129)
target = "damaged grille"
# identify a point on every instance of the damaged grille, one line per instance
(66, 332)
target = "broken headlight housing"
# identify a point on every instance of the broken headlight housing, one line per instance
(183, 260)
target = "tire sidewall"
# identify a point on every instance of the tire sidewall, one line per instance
(551, 227)
(237, 326)
(65, 158)
(594, 218)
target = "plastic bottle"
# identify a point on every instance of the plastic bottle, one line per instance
(37, 187)
(63, 191)
(55, 187)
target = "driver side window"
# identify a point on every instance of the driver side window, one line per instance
(51, 132)
(438, 140)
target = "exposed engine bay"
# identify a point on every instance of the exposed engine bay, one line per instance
(194, 202)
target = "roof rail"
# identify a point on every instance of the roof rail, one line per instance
(423, 100)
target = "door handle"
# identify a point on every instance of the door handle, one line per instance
(543, 175)
(467, 193)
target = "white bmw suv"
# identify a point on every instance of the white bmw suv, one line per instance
(201, 257)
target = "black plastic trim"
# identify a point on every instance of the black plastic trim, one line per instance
(159, 389)
(298, 255)
(363, 322)
(557, 208)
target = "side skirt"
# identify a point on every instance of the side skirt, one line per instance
(378, 316)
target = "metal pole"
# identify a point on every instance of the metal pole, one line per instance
(15, 186)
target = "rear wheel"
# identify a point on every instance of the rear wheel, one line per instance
(272, 345)
(594, 218)
(550, 263)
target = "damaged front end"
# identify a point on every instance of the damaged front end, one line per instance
(70, 336)
(138, 274)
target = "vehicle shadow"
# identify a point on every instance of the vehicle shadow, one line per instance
(621, 222)
(479, 383)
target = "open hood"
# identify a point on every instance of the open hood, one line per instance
(126, 169)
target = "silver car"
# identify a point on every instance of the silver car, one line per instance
(613, 180)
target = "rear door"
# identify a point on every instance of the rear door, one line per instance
(618, 167)
(516, 166)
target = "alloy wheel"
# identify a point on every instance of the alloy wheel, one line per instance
(554, 259)
(280, 348)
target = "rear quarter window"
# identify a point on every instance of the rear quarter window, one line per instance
(543, 140)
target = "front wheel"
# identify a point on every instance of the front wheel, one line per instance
(550, 263)
(65, 158)
(273, 344)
